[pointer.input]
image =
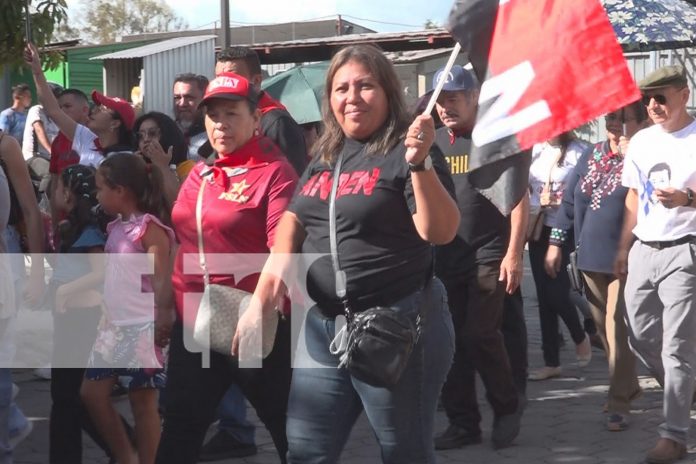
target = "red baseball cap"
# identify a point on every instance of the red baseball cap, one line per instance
(229, 86)
(119, 105)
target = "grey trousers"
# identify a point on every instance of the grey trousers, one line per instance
(661, 310)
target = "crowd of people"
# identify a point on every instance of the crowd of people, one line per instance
(383, 196)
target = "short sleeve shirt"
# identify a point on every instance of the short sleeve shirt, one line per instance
(62, 154)
(546, 167)
(379, 247)
(30, 143)
(12, 122)
(85, 144)
(657, 159)
(240, 210)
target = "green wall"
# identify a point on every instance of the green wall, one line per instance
(77, 71)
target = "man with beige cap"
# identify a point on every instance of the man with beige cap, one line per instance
(660, 269)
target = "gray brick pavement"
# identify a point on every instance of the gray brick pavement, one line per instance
(563, 423)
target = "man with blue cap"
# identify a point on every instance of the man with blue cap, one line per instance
(478, 268)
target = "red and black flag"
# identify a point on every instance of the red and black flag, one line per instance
(546, 67)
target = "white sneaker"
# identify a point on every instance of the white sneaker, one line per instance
(43, 372)
(17, 438)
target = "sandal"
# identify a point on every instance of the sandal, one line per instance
(544, 373)
(616, 422)
(583, 352)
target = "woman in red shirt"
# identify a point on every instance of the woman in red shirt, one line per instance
(250, 184)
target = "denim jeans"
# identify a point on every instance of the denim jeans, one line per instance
(5, 400)
(16, 421)
(325, 401)
(232, 414)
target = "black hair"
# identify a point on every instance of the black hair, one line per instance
(79, 181)
(195, 79)
(143, 180)
(661, 167)
(170, 135)
(77, 93)
(639, 109)
(246, 54)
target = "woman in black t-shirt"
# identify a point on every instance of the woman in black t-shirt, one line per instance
(391, 205)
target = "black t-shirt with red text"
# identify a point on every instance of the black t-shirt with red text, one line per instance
(484, 232)
(379, 248)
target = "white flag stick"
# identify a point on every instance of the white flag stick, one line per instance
(438, 88)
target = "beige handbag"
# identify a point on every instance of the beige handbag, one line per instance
(535, 225)
(221, 305)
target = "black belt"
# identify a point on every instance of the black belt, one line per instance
(670, 243)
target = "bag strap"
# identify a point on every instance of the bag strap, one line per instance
(547, 186)
(199, 230)
(340, 276)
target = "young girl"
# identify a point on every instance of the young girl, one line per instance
(126, 346)
(74, 287)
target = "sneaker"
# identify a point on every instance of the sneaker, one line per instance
(616, 422)
(544, 373)
(225, 446)
(43, 372)
(20, 435)
(456, 437)
(666, 451)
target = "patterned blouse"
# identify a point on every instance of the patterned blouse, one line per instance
(603, 176)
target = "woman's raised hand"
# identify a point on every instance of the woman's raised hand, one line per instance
(419, 139)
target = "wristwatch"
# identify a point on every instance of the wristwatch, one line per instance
(425, 165)
(689, 197)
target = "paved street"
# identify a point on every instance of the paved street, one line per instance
(563, 423)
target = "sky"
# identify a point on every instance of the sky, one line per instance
(379, 15)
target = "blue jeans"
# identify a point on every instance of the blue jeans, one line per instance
(232, 414)
(325, 402)
(5, 402)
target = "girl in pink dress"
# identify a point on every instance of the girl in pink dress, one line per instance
(138, 305)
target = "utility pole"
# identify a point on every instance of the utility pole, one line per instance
(225, 23)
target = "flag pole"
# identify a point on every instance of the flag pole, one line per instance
(438, 88)
(27, 22)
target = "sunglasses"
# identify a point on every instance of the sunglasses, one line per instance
(659, 99)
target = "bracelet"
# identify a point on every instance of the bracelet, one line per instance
(558, 236)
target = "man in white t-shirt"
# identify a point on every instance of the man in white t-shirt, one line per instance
(660, 269)
(39, 133)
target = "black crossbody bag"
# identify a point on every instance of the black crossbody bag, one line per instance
(377, 342)
(574, 274)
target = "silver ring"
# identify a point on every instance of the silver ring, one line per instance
(420, 135)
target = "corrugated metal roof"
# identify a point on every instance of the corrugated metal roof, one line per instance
(422, 35)
(155, 48)
(323, 48)
(415, 56)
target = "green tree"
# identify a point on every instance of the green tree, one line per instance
(104, 21)
(44, 15)
(430, 24)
